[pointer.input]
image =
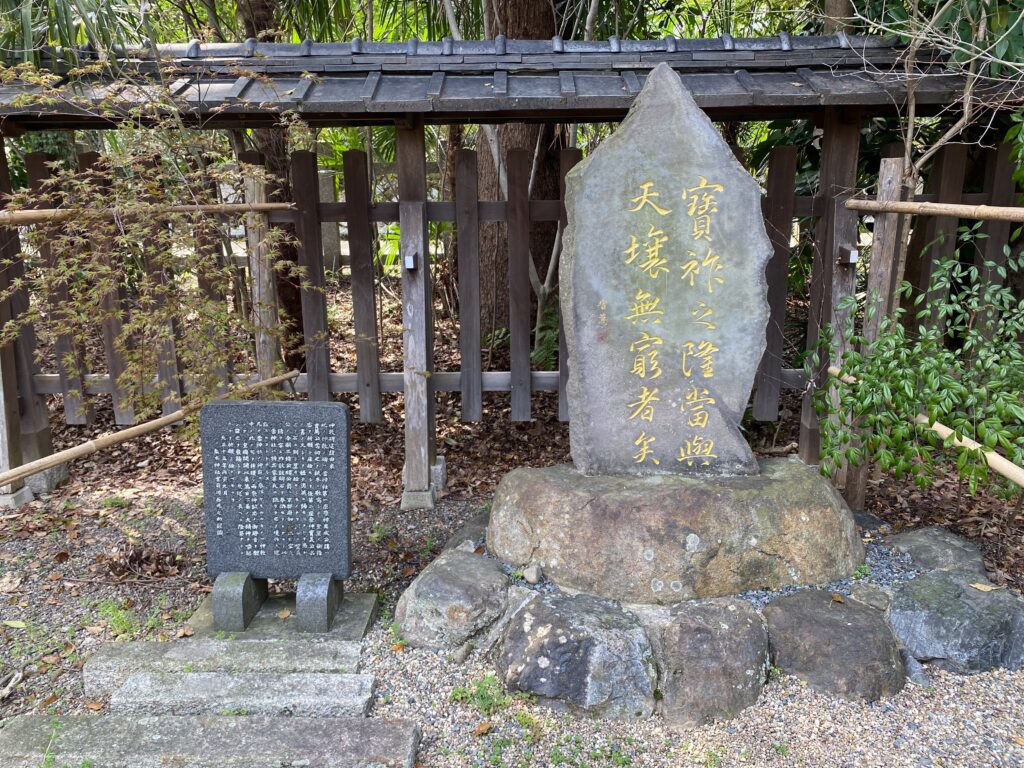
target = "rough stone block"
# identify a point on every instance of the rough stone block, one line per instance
(352, 621)
(236, 599)
(665, 539)
(316, 601)
(455, 597)
(300, 694)
(844, 648)
(130, 741)
(936, 549)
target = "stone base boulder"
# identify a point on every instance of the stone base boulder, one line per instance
(666, 538)
(845, 648)
(456, 596)
(714, 657)
(936, 549)
(939, 618)
(583, 651)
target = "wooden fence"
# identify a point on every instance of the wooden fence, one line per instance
(834, 276)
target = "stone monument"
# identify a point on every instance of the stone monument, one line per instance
(276, 493)
(663, 296)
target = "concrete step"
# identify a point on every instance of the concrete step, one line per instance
(128, 741)
(109, 667)
(299, 694)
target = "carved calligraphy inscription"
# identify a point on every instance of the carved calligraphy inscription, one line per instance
(663, 293)
(276, 488)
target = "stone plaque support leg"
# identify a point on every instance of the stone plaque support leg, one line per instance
(237, 597)
(317, 598)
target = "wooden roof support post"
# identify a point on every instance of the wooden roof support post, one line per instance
(840, 146)
(519, 164)
(14, 494)
(306, 189)
(424, 470)
(36, 437)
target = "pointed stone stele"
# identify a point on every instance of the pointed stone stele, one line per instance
(663, 293)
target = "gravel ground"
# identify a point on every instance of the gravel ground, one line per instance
(957, 721)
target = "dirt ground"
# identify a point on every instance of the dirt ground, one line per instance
(118, 552)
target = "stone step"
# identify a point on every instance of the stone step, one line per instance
(128, 741)
(299, 694)
(109, 667)
(354, 618)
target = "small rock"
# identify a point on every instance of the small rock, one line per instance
(844, 648)
(532, 574)
(454, 597)
(916, 673)
(940, 619)
(582, 650)
(936, 549)
(871, 595)
(715, 661)
(471, 534)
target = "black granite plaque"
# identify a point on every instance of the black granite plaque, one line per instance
(276, 488)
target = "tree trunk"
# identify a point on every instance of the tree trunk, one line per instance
(514, 19)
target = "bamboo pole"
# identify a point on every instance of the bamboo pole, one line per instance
(984, 212)
(43, 215)
(115, 438)
(996, 463)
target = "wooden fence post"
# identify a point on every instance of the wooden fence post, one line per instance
(261, 274)
(467, 224)
(778, 214)
(840, 147)
(845, 254)
(422, 479)
(14, 494)
(364, 299)
(881, 289)
(306, 191)
(36, 437)
(570, 157)
(519, 164)
(113, 307)
(1002, 191)
(77, 410)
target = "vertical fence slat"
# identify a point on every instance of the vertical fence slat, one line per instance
(841, 143)
(467, 226)
(935, 236)
(845, 227)
(76, 409)
(306, 192)
(417, 318)
(1002, 191)
(364, 300)
(168, 374)
(112, 306)
(779, 220)
(261, 274)
(569, 157)
(519, 163)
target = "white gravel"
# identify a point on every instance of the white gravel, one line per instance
(958, 721)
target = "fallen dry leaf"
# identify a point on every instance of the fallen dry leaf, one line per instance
(14, 624)
(95, 706)
(837, 598)
(984, 587)
(283, 614)
(483, 728)
(51, 699)
(186, 631)
(10, 582)
(1019, 740)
